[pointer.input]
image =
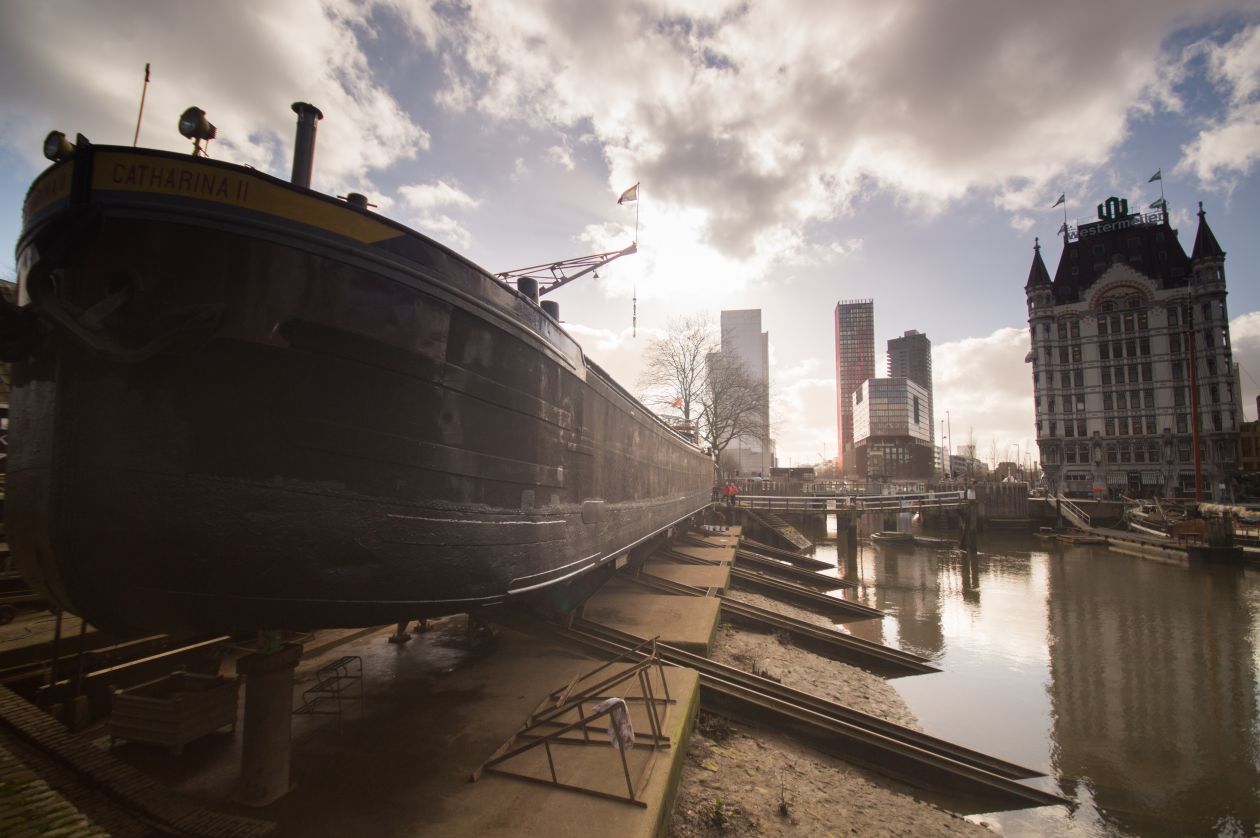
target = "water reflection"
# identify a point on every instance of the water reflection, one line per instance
(1152, 686)
(1132, 683)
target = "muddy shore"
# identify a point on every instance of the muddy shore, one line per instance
(745, 781)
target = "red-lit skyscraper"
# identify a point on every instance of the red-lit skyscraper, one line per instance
(855, 363)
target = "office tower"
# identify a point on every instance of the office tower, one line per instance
(910, 356)
(892, 430)
(743, 339)
(855, 363)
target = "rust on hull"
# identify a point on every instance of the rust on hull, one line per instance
(252, 406)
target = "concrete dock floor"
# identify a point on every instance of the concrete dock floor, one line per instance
(399, 761)
(434, 709)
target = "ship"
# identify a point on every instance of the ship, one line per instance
(240, 404)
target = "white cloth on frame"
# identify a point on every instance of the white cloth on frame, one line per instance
(620, 731)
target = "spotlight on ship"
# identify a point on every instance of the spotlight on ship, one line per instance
(194, 125)
(57, 147)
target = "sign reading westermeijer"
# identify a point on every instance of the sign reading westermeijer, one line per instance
(1113, 214)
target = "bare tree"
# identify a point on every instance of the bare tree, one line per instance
(733, 405)
(686, 370)
(676, 373)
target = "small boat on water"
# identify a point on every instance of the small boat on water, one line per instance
(1153, 516)
(240, 404)
(889, 537)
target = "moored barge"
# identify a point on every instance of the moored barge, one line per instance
(241, 404)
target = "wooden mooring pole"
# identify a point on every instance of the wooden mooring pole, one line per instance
(970, 525)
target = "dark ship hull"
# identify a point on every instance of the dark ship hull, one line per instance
(246, 405)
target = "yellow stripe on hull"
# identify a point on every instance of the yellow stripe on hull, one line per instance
(189, 178)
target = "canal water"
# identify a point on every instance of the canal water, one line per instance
(1131, 683)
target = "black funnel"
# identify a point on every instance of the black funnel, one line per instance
(304, 143)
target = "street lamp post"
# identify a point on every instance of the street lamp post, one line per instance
(949, 451)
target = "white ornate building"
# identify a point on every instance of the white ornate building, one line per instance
(1130, 341)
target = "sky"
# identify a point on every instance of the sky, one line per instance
(792, 154)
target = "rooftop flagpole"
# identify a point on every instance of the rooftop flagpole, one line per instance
(1163, 202)
(1062, 200)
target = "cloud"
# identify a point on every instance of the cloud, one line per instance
(1228, 147)
(804, 419)
(618, 352)
(243, 64)
(430, 196)
(563, 156)
(764, 118)
(987, 388)
(428, 199)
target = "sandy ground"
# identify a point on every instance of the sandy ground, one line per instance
(748, 781)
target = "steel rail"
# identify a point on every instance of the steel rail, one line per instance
(863, 653)
(773, 567)
(812, 600)
(833, 644)
(753, 546)
(796, 574)
(984, 782)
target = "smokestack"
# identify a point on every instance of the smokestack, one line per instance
(552, 309)
(304, 143)
(528, 287)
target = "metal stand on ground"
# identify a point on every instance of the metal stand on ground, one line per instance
(335, 683)
(564, 719)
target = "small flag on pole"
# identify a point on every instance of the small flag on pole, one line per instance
(1062, 228)
(678, 402)
(1159, 203)
(631, 194)
(1062, 198)
(1159, 175)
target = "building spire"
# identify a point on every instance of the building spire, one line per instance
(1037, 275)
(1205, 244)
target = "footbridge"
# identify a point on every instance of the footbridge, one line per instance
(832, 504)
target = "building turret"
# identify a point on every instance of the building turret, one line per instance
(1038, 288)
(1205, 245)
(1207, 261)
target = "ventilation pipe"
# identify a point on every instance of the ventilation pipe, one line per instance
(552, 309)
(304, 143)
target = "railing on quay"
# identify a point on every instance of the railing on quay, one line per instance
(1074, 513)
(815, 503)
